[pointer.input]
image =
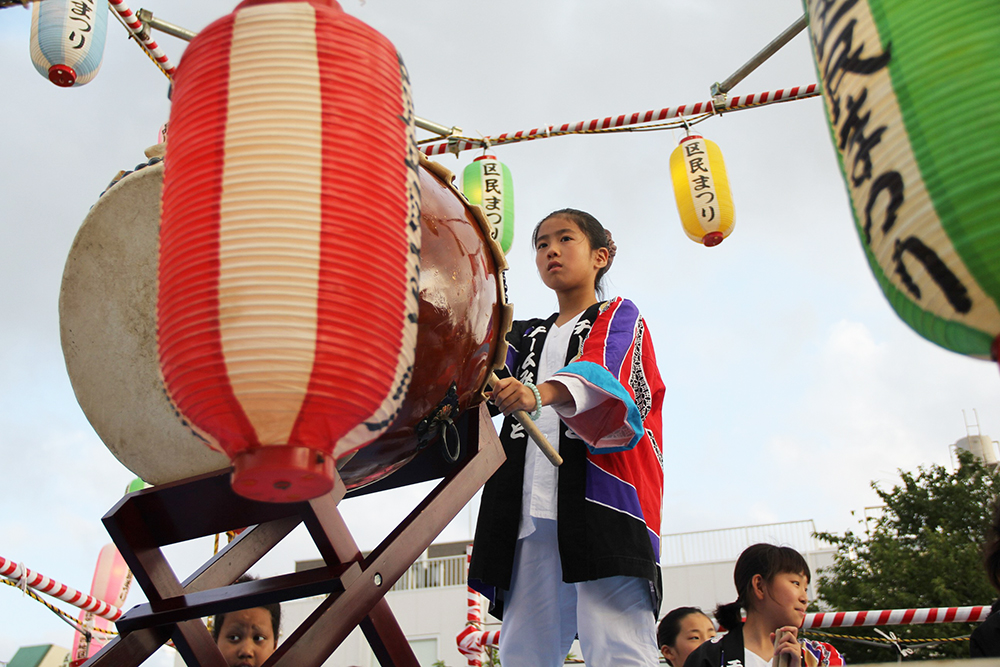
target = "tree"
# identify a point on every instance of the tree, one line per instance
(924, 551)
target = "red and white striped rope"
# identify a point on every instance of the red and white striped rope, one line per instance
(17, 573)
(853, 619)
(136, 28)
(625, 120)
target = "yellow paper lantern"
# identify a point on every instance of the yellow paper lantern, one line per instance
(701, 188)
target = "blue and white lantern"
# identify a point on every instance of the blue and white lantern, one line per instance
(67, 39)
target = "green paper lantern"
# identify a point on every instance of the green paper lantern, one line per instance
(914, 114)
(487, 183)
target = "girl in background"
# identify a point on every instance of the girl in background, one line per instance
(771, 583)
(575, 549)
(681, 631)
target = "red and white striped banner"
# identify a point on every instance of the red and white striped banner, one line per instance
(136, 28)
(17, 572)
(626, 120)
(854, 619)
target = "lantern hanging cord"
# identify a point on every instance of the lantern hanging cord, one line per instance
(486, 142)
(59, 612)
(636, 122)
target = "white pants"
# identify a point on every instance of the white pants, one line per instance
(542, 614)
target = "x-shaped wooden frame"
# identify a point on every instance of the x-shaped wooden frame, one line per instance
(144, 521)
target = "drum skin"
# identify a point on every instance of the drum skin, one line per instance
(107, 313)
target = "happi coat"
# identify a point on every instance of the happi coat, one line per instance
(727, 650)
(610, 487)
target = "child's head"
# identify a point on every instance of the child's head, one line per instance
(771, 581)
(591, 232)
(247, 637)
(682, 631)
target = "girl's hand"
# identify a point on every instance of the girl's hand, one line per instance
(509, 395)
(788, 644)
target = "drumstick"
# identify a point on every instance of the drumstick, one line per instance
(529, 425)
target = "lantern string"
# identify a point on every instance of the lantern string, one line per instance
(487, 142)
(625, 122)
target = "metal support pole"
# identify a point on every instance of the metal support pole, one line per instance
(436, 128)
(148, 19)
(764, 54)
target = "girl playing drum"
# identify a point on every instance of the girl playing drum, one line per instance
(575, 549)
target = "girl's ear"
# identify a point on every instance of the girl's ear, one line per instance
(757, 586)
(601, 257)
(670, 655)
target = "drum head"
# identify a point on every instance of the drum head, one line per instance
(107, 320)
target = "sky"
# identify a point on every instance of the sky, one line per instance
(791, 383)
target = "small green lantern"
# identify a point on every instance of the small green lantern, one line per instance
(487, 183)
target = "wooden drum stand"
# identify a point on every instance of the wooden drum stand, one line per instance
(144, 521)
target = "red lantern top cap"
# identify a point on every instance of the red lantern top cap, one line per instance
(485, 157)
(326, 3)
(689, 137)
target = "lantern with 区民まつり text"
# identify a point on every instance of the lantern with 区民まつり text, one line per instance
(701, 188)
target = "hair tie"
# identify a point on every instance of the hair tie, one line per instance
(612, 248)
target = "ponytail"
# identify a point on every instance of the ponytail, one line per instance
(765, 560)
(729, 616)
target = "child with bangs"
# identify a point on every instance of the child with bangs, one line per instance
(771, 583)
(575, 549)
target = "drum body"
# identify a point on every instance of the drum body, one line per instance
(107, 311)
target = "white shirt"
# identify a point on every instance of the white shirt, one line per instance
(541, 478)
(754, 660)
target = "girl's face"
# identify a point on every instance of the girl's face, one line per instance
(246, 638)
(783, 600)
(564, 257)
(695, 630)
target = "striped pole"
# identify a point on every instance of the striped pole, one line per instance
(17, 572)
(854, 619)
(625, 120)
(136, 28)
(473, 639)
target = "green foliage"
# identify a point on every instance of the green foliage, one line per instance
(924, 551)
(492, 657)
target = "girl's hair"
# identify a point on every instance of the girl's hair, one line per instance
(767, 560)
(670, 626)
(991, 550)
(592, 229)
(273, 609)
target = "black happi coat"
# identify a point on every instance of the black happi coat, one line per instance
(595, 541)
(720, 651)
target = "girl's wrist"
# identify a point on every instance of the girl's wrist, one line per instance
(554, 393)
(537, 409)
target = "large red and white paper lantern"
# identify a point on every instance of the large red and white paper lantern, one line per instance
(290, 241)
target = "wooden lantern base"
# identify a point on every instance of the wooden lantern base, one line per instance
(144, 521)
